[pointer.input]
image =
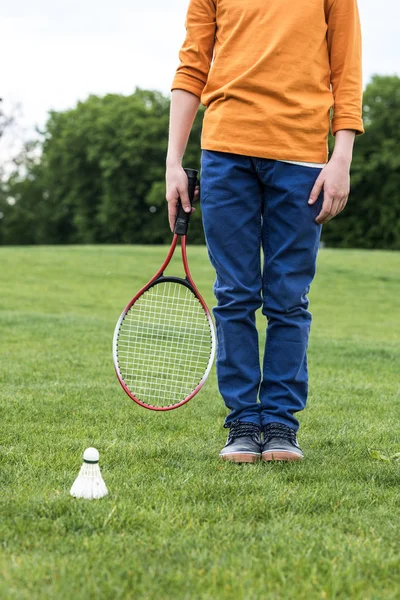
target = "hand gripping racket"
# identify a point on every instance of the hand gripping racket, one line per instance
(164, 341)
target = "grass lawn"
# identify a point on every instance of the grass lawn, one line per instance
(178, 523)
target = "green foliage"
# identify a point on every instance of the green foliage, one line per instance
(371, 218)
(101, 177)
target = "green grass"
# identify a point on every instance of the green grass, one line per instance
(179, 524)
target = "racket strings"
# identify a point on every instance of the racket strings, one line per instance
(164, 344)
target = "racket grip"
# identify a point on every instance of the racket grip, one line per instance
(183, 218)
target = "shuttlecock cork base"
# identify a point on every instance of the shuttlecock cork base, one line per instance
(89, 484)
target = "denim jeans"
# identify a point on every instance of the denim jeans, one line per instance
(249, 204)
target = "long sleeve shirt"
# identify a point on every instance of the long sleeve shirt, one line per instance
(269, 72)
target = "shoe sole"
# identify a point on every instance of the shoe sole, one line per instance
(239, 457)
(281, 455)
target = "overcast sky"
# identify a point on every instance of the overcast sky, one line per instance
(54, 52)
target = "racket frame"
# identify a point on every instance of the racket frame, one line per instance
(158, 278)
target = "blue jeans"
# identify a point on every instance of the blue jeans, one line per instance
(247, 204)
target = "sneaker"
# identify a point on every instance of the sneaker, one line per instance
(280, 443)
(243, 444)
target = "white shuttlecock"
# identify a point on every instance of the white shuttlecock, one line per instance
(89, 484)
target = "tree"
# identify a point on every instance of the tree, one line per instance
(105, 162)
(371, 218)
(101, 177)
(7, 120)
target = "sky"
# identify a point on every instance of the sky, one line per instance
(54, 53)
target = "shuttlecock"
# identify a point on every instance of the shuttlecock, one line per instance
(89, 484)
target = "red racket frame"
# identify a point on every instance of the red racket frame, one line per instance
(189, 278)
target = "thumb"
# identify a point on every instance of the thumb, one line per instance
(315, 192)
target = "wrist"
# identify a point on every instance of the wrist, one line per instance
(342, 158)
(173, 161)
(344, 143)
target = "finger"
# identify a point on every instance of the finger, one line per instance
(184, 197)
(326, 211)
(172, 214)
(334, 207)
(338, 205)
(172, 219)
(173, 210)
(315, 192)
(343, 203)
(323, 217)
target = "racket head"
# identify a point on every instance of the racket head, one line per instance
(164, 344)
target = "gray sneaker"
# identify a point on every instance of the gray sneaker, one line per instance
(280, 443)
(243, 444)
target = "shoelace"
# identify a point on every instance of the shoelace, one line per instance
(279, 430)
(243, 429)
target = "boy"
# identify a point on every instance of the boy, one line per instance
(268, 72)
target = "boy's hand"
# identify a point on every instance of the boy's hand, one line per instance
(335, 180)
(177, 188)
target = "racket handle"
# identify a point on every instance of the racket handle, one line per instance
(183, 218)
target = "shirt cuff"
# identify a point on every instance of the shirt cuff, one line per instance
(185, 82)
(355, 124)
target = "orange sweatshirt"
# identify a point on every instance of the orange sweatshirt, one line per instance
(269, 72)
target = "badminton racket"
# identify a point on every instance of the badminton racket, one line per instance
(164, 340)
